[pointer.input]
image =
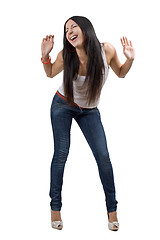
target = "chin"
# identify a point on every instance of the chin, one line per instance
(78, 45)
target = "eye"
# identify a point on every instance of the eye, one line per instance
(71, 27)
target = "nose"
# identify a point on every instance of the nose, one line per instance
(70, 31)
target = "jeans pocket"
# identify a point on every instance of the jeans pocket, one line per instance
(58, 101)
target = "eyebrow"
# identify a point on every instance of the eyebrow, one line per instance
(71, 26)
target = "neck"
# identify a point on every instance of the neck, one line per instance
(82, 55)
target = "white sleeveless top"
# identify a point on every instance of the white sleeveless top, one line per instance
(79, 91)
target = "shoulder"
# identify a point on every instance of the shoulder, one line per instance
(108, 48)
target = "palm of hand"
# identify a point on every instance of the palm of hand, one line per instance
(128, 49)
(47, 44)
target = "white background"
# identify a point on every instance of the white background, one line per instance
(130, 114)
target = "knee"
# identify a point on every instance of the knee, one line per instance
(60, 157)
(103, 159)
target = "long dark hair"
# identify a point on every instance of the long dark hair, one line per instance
(95, 65)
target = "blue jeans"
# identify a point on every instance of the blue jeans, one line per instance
(89, 121)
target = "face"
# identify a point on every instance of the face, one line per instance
(74, 34)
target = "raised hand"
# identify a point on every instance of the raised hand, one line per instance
(128, 49)
(47, 45)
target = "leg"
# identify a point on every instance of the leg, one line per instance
(61, 124)
(91, 126)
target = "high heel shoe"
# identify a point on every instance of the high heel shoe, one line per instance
(57, 225)
(113, 226)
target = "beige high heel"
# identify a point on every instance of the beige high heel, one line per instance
(57, 225)
(113, 226)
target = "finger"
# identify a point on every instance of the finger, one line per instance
(44, 39)
(127, 41)
(51, 37)
(124, 40)
(130, 43)
(121, 41)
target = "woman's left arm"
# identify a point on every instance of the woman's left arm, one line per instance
(120, 69)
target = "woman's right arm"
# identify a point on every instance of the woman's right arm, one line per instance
(51, 69)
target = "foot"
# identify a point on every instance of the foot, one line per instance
(56, 216)
(112, 217)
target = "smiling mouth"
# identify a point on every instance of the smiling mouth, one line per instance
(74, 38)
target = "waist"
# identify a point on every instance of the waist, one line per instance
(64, 98)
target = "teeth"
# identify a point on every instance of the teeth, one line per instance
(73, 37)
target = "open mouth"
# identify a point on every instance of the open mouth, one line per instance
(74, 38)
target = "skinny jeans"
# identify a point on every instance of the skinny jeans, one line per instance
(89, 121)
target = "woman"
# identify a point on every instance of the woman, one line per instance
(86, 64)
